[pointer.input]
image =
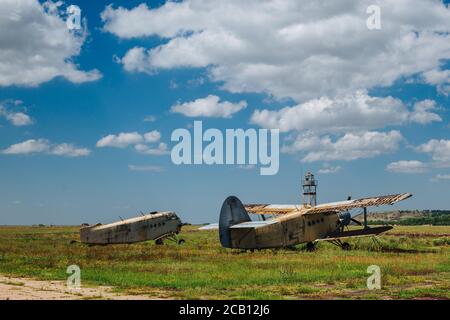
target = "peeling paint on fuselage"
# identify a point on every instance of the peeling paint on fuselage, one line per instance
(148, 227)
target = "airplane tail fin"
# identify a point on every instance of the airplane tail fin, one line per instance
(232, 212)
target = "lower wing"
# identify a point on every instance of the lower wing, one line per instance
(357, 233)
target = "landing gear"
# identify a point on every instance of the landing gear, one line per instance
(171, 237)
(343, 245)
(311, 246)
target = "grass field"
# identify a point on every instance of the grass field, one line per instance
(414, 262)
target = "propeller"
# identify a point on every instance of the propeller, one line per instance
(359, 223)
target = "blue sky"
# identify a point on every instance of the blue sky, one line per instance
(384, 125)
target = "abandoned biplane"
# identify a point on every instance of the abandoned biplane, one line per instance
(295, 224)
(156, 226)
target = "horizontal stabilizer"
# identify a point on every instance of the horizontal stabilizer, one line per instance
(211, 226)
(253, 224)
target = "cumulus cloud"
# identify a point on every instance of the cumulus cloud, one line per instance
(29, 146)
(351, 146)
(44, 146)
(15, 117)
(135, 60)
(296, 49)
(327, 169)
(160, 150)
(353, 111)
(152, 136)
(439, 150)
(122, 140)
(439, 78)
(209, 107)
(423, 112)
(36, 45)
(18, 118)
(357, 111)
(407, 166)
(139, 141)
(69, 150)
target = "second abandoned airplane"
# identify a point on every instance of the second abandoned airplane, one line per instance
(295, 224)
(156, 226)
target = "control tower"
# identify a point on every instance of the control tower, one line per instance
(309, 190)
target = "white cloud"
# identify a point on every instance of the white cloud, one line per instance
(152, 136)
(423, 112)
(441, 177)
(349, 112)
(351, 146)
(327, 169)
(135, 61)
(132, 167)
(125, 139)
(296, 49)
(122, 140)
(19, 119)
(44, 146)
(69, 150)
(139, 141)
(209, 107)
(160, 150)
(407, 166)
(439, 150)
(439, 78)
(357, 111)
(29, 146)
(36, 45)
(16, 118)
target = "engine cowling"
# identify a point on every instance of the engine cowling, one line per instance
(344, 218)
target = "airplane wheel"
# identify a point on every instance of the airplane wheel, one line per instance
(159, 242)
(310, 246)
(346, 246)
(181, 241)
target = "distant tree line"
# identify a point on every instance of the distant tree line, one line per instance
(433, 217)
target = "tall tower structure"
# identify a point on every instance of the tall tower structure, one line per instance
(309, 190)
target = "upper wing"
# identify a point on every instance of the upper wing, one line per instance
(271, 208)
(358, 203)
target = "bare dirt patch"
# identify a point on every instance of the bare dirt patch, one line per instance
(12, 288)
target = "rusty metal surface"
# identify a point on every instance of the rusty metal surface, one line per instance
(359, 203)
(147, 227)
(271, 208)
(280, 209)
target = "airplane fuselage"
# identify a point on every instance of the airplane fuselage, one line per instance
(288, 230)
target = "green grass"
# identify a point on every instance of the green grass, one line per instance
(414, 261)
